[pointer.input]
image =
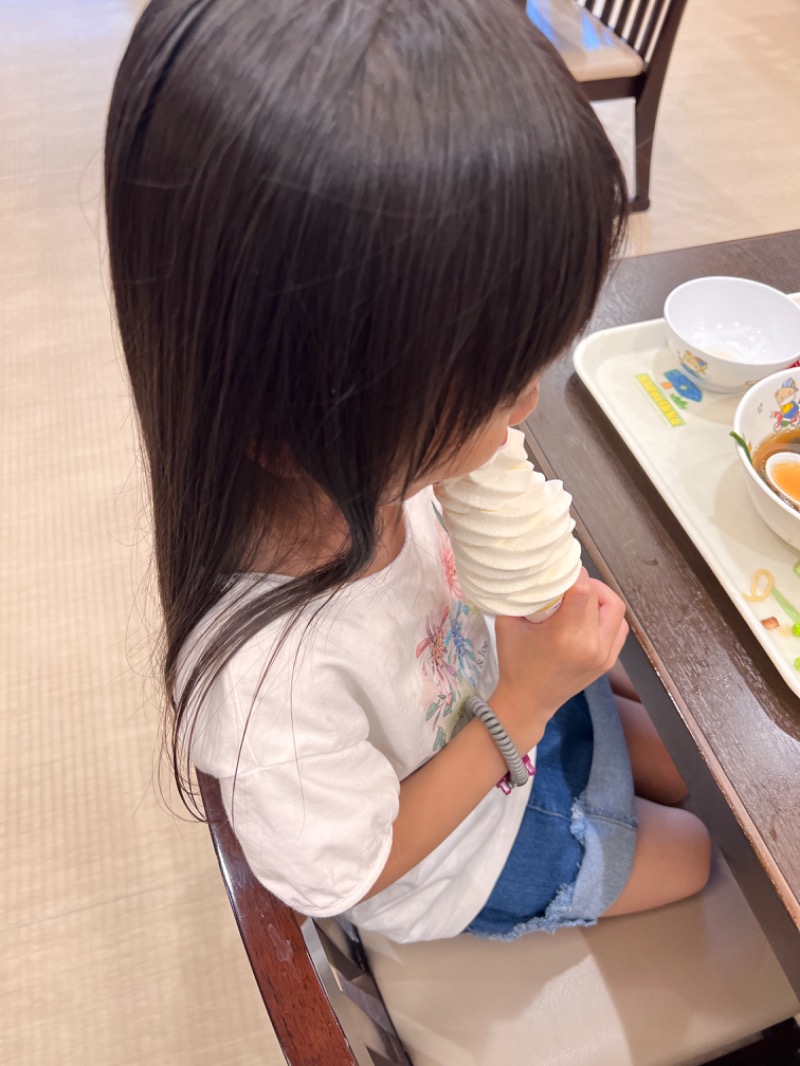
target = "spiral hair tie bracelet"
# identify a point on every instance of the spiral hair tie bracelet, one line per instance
(520, 767)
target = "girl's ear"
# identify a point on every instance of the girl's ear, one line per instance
(525, 405)
(278, 460)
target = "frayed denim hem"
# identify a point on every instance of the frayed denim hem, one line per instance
(552, 920)
(608, 840)
(601, 819)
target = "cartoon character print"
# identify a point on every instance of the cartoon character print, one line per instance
(694, 364)
(686, 389)
(788, 413)
(451, 655)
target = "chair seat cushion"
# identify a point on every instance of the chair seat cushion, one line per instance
(590, 50)
(668, 987)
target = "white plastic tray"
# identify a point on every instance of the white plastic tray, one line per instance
(685, 449)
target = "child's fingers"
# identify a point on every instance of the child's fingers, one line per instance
(618, 642)
(611, 620)
(604, 593)
(583, 582)
(577, 600)
(607, 600)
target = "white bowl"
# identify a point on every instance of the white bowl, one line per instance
(730, 332)
(754, 421)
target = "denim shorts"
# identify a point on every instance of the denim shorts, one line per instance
(573, 853)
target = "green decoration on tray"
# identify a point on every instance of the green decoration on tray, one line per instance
(792, 611)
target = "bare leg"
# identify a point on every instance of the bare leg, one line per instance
(673, 848)
(671, 861)
(655, 775)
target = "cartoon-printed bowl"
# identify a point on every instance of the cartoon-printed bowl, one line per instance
(768, 407)
(731, 332)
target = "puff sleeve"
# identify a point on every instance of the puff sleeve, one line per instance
(310, 799)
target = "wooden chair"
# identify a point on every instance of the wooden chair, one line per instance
(613, 995)
(314, 977)
(616, 49)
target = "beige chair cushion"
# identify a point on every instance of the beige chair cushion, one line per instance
(590, 50)
(671, 987)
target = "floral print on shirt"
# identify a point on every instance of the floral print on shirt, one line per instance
(451, 655)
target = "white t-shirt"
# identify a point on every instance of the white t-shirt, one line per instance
(352, 704)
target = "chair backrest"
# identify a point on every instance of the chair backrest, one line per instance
(640, 23)
(314, 977)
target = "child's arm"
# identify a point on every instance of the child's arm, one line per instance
(541, 667)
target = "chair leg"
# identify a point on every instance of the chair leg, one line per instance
(644, 130)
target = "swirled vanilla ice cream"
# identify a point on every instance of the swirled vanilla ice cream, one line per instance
(511, 532)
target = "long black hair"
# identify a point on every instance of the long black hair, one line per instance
(342, 231)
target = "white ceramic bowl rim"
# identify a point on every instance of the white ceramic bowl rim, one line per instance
(673, 310)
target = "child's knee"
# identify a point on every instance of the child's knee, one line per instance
(697, 851)
(676, 850)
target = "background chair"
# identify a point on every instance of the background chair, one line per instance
(616, 49)
(672, 987)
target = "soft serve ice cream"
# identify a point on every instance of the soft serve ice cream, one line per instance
(511, 532)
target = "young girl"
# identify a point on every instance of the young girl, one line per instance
(346, 238)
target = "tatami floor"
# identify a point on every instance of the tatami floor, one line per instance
(118, 946)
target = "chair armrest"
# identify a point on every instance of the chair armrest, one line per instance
(305, 1024)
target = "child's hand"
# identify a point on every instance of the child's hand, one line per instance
(543, 664)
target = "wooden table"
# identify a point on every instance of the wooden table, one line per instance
(728, 718)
